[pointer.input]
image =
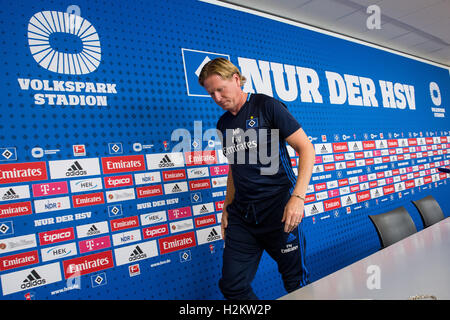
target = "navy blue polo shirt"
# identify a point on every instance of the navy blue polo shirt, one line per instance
(254, 143)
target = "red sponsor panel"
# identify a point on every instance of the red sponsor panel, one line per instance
(177, 242)
(22, 172)
(54, 236)
(118, 181)
(410, 184)
(354, 188)
(405, 150)
(332, 204)
(90, 199)
(442, 176)
(428, 140)
(351, 164)
(385, 159)
(123, 164)
(388, 189)
(444, 140)
(124, 223)
(339, 157)
(329, 167)
(403, 177)
(199, 158)
(343, 182)
(413, 141)
(15, 209)
(205, 221)
(373, 184)
(88, 264)
(340, 147)
(395, 172)
(310, 198)
(369, 145)
(413, 156)
(400, 157)
(155, 231)
(363, 196)
(416, 174)
(293, 162)
(318, 160)
(369, 162)
(392, 151)
(149, 191)
(380, 175)
(219, 205)
(359, 155)
(199, 184)
(389, 180)
(392, 143)
(363, 178)
(19, 260)
(173, 175)
(320, 186)
(427, 179)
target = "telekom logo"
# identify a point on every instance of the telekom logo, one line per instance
(49, 31)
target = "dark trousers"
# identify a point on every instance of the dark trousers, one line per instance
(247, 236)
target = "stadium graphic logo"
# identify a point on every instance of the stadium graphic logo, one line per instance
(48, 31)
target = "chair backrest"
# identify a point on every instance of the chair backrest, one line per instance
(429, 210)
(393, 226)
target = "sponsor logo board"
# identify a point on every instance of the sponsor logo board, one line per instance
(30, 278)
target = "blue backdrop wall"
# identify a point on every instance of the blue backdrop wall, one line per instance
(111, 178)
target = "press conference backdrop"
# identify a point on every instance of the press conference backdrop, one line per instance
(112, 183)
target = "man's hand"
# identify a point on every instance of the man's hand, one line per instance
(224, 222)
(293, 214)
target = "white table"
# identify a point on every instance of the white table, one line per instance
(416, 265)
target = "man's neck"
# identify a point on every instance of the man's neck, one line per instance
(241, 103)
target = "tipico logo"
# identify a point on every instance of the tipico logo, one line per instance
(50, 32)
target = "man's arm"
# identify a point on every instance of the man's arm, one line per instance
(228, 200)
(293, 212)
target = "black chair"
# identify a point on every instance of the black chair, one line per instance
(429, 210)
(393, 226)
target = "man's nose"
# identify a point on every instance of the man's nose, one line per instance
(217, 97)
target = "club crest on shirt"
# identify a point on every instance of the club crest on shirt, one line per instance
(251, 123)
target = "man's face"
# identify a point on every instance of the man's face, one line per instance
(226, 93)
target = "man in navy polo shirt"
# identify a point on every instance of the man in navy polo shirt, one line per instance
(263, 207)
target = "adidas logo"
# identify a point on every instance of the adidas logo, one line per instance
(93, 230)
(176, 188)
(355, 147)
(323, 149)
(213, 236)
(204, 209)
(314, 210)
(291, 238)
(137, 254)
(349, 201)
(166, 162)
(10, 195)
(76, 170)
(32, 280)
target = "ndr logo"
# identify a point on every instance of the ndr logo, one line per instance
(49, 32)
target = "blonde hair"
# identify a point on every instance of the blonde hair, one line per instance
(223, 68)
